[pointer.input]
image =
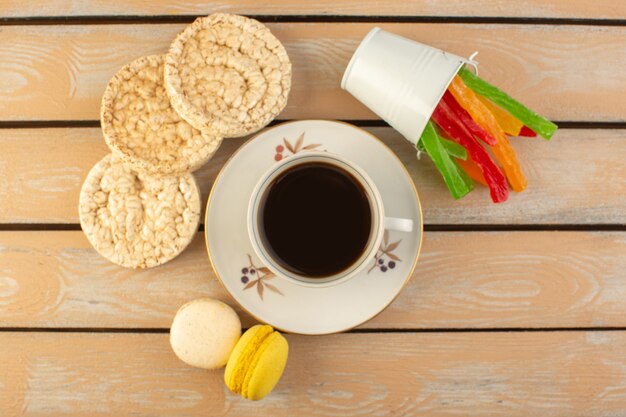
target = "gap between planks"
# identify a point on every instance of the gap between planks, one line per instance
(573, 9)
(62, 124)
(166, 330)
(176, 19)
(33, 227)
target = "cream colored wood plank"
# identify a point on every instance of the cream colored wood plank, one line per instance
(599, 9)
(462, 280)
(577, 178)
(565, 72)
(473, 374)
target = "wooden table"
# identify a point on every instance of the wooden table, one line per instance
(515, 309)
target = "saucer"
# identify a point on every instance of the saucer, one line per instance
(285, 305)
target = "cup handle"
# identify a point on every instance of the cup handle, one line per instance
(399, 225)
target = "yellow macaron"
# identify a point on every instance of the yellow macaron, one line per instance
(257, 362)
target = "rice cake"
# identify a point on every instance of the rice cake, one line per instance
(227, 74)
(141, 127)
(135, 219)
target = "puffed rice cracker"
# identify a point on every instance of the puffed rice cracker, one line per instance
(135, 219)
(141, 127)
(228, 74)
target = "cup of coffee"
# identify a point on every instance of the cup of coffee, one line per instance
(317, 219)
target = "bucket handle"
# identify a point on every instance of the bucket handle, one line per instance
(471, 62)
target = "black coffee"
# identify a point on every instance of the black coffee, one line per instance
(315, 219)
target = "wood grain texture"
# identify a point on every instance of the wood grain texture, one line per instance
(577, 178)
(468, 280)
(564, 72)
(599, 9)
(462, 280)
(496, 374)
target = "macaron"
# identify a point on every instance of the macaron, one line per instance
(257, 362)
(204, 333)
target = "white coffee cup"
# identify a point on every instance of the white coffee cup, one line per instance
(400, 80)
(378, 225)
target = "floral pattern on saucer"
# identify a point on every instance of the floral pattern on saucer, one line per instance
(287, 148)
(385, 259)
(262, 275)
